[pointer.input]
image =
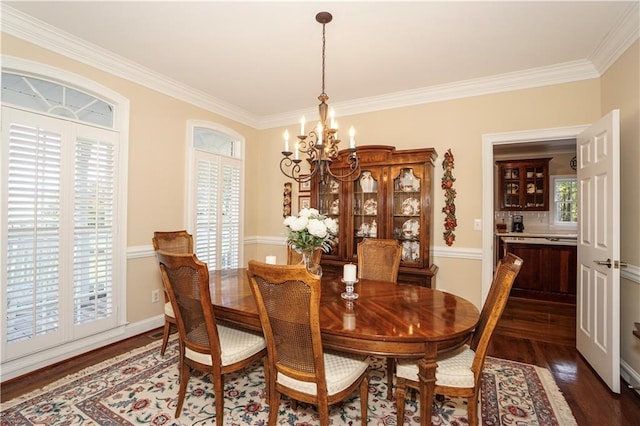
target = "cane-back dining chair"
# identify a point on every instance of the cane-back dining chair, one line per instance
(172, 242)
(294, 257)
(459, 372)
(379, 259)
(205, 345)
(288, 301)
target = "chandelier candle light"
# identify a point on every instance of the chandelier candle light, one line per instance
(321, 144)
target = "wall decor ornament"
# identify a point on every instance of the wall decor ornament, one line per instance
(449, 209)
(286, 200)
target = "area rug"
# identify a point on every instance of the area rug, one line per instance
(141, 388)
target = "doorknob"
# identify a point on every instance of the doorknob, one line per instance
(616, 264)
(604, 262)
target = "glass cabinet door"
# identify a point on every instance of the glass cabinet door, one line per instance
(367, 206)
(407, 209)
(511, 187)
(534, 186)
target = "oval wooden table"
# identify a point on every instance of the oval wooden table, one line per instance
(388, 320)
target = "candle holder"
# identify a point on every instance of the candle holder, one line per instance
(349, 294)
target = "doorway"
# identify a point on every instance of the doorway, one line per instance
(517, 142)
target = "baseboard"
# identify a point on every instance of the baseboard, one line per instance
(630, 376)
(27, 364)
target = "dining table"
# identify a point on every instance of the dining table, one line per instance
(386, 320)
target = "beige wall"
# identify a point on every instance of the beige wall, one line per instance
(157, 149)
(621, 90)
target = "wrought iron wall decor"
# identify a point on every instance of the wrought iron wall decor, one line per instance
(449, 209)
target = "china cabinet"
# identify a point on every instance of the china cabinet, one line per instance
(390, 199)
(524, 184)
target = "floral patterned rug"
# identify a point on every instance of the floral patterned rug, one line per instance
(141, 388)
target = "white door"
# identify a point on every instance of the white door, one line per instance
(598, 292)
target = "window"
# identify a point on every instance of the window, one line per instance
(215, 195)
(564, 209)
(63, 177)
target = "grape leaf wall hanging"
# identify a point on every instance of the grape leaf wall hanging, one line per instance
(449, 208)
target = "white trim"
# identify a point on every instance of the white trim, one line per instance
(630, 375)
(457, 252)
(489, 140)
(631, 273)
(615, 43)
(121, 128)
(21, 25)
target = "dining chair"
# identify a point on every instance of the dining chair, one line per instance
(173, 242)
(294, 257)
(459, 371)
(379, 259)
(288, 301)
(205, 345)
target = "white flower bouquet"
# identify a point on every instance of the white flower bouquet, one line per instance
(310, 230)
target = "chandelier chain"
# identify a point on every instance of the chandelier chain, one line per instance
(323, 55)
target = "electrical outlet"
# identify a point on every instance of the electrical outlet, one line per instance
(155, 296)
(477, 225)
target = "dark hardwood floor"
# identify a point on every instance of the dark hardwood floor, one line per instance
(540, 333)
(543, 333)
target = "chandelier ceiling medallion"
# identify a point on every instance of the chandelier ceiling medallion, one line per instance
(321, 144)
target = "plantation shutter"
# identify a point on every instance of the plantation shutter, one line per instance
(59, 191)
(217, 215)
(230, 226)
(94, 210)
(33, 209)
(206, 224)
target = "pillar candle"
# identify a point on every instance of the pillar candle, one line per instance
(271, 260)
(349, 272)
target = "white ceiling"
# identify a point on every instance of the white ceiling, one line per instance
(262, 60)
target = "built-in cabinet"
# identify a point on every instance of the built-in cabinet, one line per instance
(524, 184)
(548, 272)
(391, 198)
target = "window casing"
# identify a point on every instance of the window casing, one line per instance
(63, 211)
(564, 206)
(216, 193)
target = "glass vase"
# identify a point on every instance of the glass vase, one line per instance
(307, 259)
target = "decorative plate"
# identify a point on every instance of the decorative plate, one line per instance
(410, 206)
(411, 228)
(371, 206)
(531, 188)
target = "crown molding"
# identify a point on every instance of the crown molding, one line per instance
(37, 32)
(626, 32)
(544, 76)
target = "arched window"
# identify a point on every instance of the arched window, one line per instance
(216, 193)
(63, 226)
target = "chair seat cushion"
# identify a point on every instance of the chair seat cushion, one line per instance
(454, 368)
(235, 345)
(168, 310)
(341, 370)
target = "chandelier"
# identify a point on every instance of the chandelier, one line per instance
(321, 144)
